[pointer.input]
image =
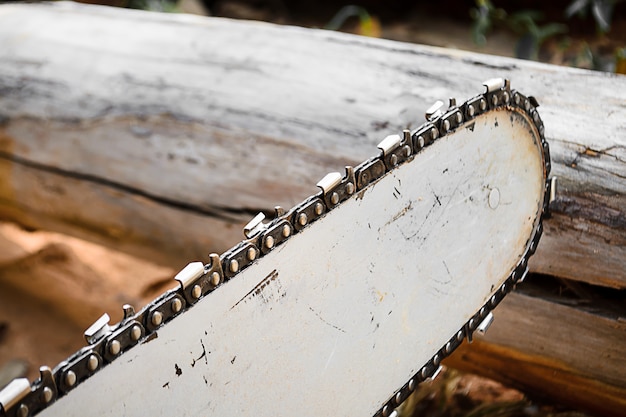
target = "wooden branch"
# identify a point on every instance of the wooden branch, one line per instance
(166, 118)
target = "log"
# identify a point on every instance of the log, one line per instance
(555, 351)
(164, 134)
(161, 135)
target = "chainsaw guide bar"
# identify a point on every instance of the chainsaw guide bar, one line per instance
(341, 305)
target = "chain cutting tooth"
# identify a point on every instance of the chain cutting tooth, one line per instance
(254, 226)
(12, 395)
(498, 92)
(485, 324)
(436, 373)
(336, 189)
(396, 149)
(553, 191)
(434, 111)
(98, 329)
(20, 398)
(188, 278)
(197, 279)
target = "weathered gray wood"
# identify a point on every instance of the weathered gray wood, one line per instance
(163, 134)
(564, 353)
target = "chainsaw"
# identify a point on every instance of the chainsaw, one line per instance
(341, 305)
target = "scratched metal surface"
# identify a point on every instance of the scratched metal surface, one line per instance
(345, 313)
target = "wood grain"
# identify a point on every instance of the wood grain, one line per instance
(219, 119)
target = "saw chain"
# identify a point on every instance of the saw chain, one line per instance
(106, 343)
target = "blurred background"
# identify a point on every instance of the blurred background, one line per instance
(587, 34)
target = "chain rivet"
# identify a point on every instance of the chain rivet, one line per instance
(446, 125)
(334, 198)
(412, 384)
(493, 301)
(22, 411)
(70, 378)
(215, 278)
(393, 160)
(459, 117)
(505, 97)
(114, 347)
(483, 104)
(350, 188)
(196, 291)
(470, 110)
(398, 397)
(92, 363)
(286, 230)
(302, 219)
(157, 318)
(46, 394)
(135, 333)
(233, 265)
(176, 305)
(434, 133)
(251, 254)
(269, 242)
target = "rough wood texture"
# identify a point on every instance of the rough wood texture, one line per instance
(558, 352)
(163, 134)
